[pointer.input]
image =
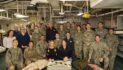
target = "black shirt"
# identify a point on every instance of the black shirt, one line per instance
(50, 33)
(51, 53)
(64, 53)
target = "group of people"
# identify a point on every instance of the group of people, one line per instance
(33, 47)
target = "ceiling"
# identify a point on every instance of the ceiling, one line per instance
(106, 3)
(53, 7)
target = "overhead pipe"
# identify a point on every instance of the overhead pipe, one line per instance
(112, 12)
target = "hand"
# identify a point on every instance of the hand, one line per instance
(50, 60)
(65, 58)
(101, 59)
(24, 46)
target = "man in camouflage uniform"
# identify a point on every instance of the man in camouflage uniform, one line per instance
(42, 29)
(35, 35)
(30, 54)
(99, 52)
(101, 31)
(78, 42)
(14, 57)
(57, 41)
(112, 41)
(61, 31)
(73, 29)
(78, 62)
(88, 38)
(67, 27)
(41, 47)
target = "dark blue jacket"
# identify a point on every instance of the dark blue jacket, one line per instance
(70, 44)
(23, 40)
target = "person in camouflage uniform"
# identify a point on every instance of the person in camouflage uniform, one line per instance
(73, 29)
(101, 31)
(84, 27)
(61, 31)
(88, 38)
(30, 54)
(67, 27)
(78, 61)
(14, 57)
(78, 42)
(35, 35)
(41, 47)
(57, 41)
(42, 29)
(99, 52)
(112, 41)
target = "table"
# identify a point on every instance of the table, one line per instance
(59, 65)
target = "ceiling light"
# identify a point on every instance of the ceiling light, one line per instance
(61, 13)
(18, 15)
(79, 14)
(2, 10)
(38, 1)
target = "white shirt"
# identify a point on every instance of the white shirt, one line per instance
(7, 42)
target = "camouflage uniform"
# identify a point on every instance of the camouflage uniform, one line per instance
(35, 37)
(14, 57)
(42, 32)
(57, 43)
(112, 41)
(41, 48)
(30, 55)
(99, 51)
(78, 44)
(67, 30)
(102, 33)
(72, 31)
(62, 34)
(88, 38)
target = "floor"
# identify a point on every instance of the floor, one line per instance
(118, 62)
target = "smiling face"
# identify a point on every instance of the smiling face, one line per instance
(100, 25)
(31, 44)
(15, 43)
(111, 31)
(57, 36)
(42, 38)
(51, 44)
(61, 27)
(23, 30)
(97, 38)
(88, 26)
(78, 28)
(68, 35)
(11, 33)
(64, 44)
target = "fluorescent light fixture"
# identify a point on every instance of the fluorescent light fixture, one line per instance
(61, 13)
(61, 22)
(38, 1)
(18, 15)
(2, 10)
(79, 14)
